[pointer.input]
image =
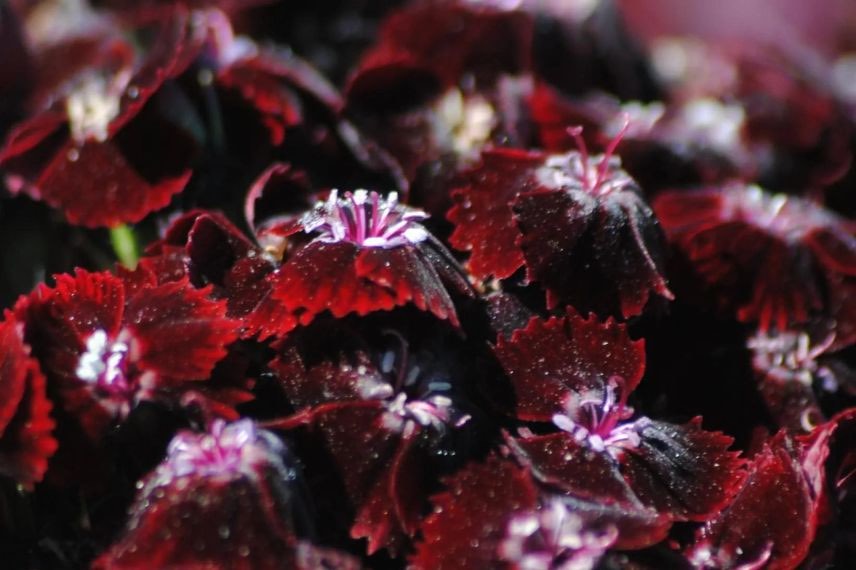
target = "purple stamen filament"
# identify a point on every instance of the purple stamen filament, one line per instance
(385, 224)
(595, 421)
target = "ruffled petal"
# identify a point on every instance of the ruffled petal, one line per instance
(470, 519)
(774, 516)
(482, 214)
(550, 359)
(682, 470)
(204, 507)
(182, 333)
(26, 425)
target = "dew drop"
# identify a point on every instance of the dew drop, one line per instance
(224, 532)
(243, 551)
(72, 155)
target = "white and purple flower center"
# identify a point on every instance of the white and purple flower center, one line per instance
(366, 219)
(93, 105)
(597, 175)
(786, 217)
(596, 421)
(104, 364)
(554, 538)
(412, 394)
(230, 449)
(789, 356)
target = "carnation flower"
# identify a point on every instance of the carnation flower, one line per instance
(599, 453)
(401, 406)
(106, 344)
(365, 253)
(780, 260)
(225, 498)
(76, 152)
(557, 216)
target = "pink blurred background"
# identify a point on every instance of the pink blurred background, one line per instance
(827, 26)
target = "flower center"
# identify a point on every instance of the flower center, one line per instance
(595, 422)
(234, 448)
(366, 219)
(104, 363)
(598, 175)
(789, 356)
(554, 538)
(93, 105)
(412, 393)
(786, 217)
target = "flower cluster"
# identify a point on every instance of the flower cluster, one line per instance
(463, 285)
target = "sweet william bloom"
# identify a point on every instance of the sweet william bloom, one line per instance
(561, 216)
(364, 253)
(600, 452)
(106, 344)
(554, 538)
(222, 499)
(497, 514)
(795, 370)
(80, 151)
(774, 517)
(779, 260)
(383, 416)
(26, 425)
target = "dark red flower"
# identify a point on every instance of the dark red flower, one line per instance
(382, 417)
(88, 149)
(367, 253)
(105, 346)
(467, 531)
(796, 132)
(601, 453)
(780, 260)
(223, 499)
(559, 216)
(494, 514)
(26, 425)
(554, 536)
(773, 519)
(795, 369)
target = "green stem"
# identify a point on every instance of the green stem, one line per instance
(125, 246)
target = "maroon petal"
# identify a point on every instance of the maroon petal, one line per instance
(392, 510)
(29, 147)
(551, 225)
(774, 517)
(279, 189)
(628, 247)
(364, 453)
(267, 80)
(324, 382)
(682, 470)
(182, 332)
(323, 276)
(456, 38)
(470, 518)
(561, 462)
(807, 251)
(549, 359)
(482, 215)
(407, 272)
(65, 315)
(26, 426)
(75, 182)
(214, 245)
